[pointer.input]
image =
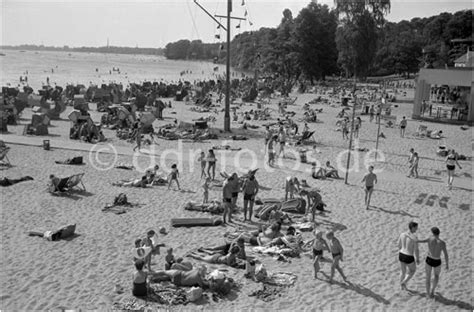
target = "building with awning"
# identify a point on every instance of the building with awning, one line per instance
(448, 94)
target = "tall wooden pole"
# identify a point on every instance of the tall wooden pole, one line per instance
(227, 82)
(352, 123)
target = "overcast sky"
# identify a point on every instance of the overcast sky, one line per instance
(148, 23)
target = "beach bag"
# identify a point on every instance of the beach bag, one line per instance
(193, 294)
(121, 199)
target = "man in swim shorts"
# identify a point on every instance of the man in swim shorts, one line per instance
(433, 260)
(370, 180)
(408, 254)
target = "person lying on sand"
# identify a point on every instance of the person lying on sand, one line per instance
(224, 249)
(263, 236)
(141, 182)
(230, 259)
(195, 277)
(290, 240)
(7, 182)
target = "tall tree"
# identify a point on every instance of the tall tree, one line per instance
(357, 38)
(315, 29)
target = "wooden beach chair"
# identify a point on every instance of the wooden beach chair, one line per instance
(4, 161)
(68, 184)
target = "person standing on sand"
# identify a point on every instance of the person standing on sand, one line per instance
(227, 200)
(371, 113)
(271, 151)
(282, 139)
(410, 159)
(403, 125)
(211, 164)
(250, 190)
(451, 162)
(138, 134)
(370, 180)
(319, 245)
(414, 166)
(408, 254)
(433, 260)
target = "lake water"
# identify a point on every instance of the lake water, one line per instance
(77, 67)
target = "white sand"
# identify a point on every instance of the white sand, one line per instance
(81, 273)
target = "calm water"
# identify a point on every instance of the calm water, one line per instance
(75, 67)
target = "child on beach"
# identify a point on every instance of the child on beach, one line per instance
(155, 248)
(205, 188)
(319, 245)
(174, 175)
(211, 159)
(169, 258)
(140, 286)
(337, 251)
(271, 152)
(370, 180)
(202, 159)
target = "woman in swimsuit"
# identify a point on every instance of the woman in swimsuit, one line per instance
(230, 259)
(319, 245)
(337, 252)
(211, 161)
(140, 287)
(451, 162)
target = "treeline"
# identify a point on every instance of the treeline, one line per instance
(312, 45)
(194, 50)
(110, 49)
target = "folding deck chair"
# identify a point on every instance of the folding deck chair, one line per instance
(4, 161)
(68, 184)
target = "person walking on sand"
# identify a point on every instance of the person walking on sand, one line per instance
(337, 252)
(203, 160)
(433, 260)
(451, 162)
(410, 159)
(319, 245)
(370, 180)
(414, 166)
(408, 254)
(138, 134)
(174, 175)
(403, 125)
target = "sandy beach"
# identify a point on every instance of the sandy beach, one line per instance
(82, 273)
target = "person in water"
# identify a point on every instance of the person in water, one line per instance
(408, 254)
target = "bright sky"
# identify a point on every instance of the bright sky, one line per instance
(154, 23)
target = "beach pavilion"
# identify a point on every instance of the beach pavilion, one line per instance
(448, 95)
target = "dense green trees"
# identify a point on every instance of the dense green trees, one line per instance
(313, 45)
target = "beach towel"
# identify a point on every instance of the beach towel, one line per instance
(297, 205)
(281, 279)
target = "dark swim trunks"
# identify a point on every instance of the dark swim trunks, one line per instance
(317, 252)
(227, 200)
(248, 197)
(405, 258)
(369, 187)
(433, 262)
(450, 168)
(236, 194)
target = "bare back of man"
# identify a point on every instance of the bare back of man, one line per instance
(433, 261)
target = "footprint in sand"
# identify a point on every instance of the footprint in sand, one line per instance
(420, 198)
(431, 200)
(443, 202)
